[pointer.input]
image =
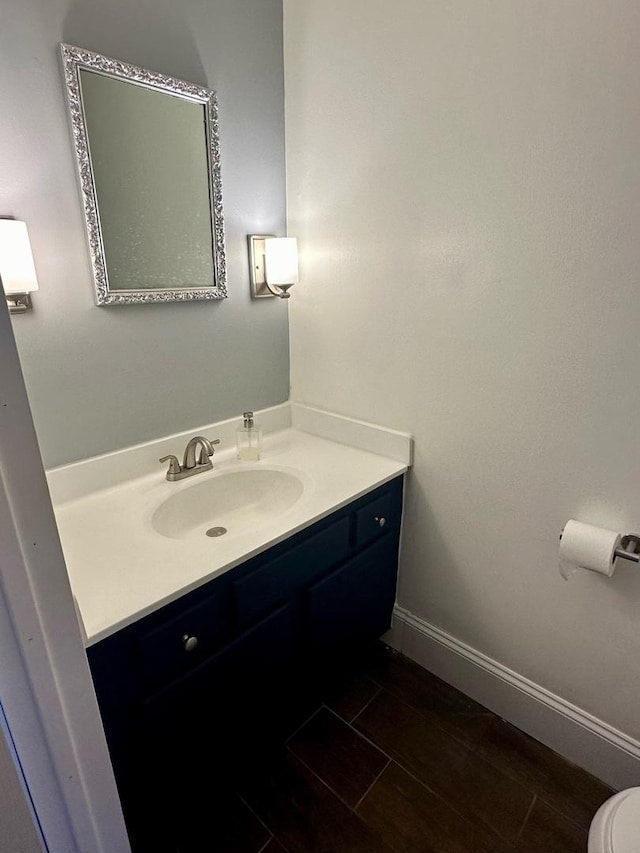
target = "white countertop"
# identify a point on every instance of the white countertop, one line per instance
(121, 568)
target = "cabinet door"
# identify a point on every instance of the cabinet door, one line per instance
(200, 716)
(354, 604)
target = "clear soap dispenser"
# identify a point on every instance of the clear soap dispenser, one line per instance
(249, 439)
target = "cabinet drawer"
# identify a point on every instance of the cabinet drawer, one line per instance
(277, 580)
(186, 640)
(376, 518)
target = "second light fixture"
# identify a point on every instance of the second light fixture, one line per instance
(273, 265)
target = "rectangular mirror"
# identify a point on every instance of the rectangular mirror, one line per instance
(149, 164)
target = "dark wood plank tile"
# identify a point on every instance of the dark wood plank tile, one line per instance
(349, 697)
(336, 753)
(435, 699)
(547, 830)
(304, 815)
(567, 788)
(448, 767)
(273, 847)
(295, 706)
(414, 820)
(219, 822)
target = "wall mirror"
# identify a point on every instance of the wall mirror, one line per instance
(149, 165)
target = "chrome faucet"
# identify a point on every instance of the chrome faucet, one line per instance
(190, 464)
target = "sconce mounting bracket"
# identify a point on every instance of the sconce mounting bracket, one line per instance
(19, 303)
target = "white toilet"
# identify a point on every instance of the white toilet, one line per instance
(616, 826)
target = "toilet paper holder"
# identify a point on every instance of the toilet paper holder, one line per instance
(630, 547)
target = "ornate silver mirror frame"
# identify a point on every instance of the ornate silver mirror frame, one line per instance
(74, 61)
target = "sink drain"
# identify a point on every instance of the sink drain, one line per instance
(216, 531)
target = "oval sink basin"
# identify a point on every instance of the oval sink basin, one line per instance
(238, 501)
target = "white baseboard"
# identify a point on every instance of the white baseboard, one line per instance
(580, 737)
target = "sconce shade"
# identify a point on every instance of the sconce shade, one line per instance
(281, 260)
(17, 270)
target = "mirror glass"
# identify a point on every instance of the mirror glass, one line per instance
(149, 165)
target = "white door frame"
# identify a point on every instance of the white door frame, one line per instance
(45, 683)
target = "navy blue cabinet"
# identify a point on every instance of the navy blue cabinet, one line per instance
(176, 688)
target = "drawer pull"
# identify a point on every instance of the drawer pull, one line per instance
(189, 643)
(380, 520)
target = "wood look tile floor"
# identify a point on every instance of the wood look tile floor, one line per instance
(396, 760)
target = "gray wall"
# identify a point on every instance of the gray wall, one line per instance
(103, 378)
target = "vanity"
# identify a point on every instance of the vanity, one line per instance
(191, 679)
(201, 644)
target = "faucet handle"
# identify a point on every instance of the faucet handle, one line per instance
(174, 465)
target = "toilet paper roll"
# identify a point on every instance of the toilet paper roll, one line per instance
(584, 546)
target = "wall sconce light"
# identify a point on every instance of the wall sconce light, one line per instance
(273, 265)
(17, 270)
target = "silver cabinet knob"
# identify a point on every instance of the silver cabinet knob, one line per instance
(189, 643)
(380, 520)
